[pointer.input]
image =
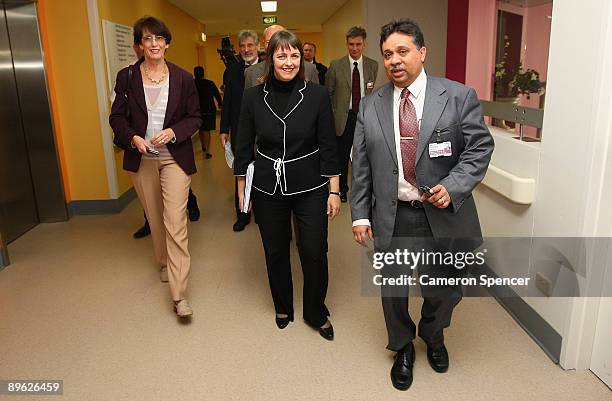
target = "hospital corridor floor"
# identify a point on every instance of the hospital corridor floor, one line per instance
(82, 302)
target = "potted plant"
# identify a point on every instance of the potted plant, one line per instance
(526, 83)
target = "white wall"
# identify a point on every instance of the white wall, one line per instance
(572, 161)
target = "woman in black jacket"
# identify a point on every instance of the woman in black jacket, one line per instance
(290, 122)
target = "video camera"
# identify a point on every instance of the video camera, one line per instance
(227, 52)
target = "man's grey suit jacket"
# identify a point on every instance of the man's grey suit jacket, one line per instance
(339, 81)
(254, 72)
(452, 113)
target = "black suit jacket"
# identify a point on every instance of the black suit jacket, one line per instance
(296, 147)
(322, 71)
(232, 98)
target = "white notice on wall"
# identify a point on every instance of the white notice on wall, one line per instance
(118, 41)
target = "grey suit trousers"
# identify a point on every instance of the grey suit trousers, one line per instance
(438, 301)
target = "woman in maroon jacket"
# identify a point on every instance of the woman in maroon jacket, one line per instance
(155, 112)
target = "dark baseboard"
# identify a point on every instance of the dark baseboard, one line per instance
(106, 206)
(538, 329)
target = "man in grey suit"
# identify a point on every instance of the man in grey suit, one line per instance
(417, 131)
(253, 75)
(349, 79)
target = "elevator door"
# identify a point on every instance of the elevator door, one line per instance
(17, 200)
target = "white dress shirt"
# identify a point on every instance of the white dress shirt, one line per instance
(405, 190)
(360, 69)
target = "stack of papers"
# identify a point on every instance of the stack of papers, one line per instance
(247, 187)
(229, 155)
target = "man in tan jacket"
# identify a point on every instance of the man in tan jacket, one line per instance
(348, 79)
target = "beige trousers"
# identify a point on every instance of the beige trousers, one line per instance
(162, 187)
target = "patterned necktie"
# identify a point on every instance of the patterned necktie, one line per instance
(355, 89)
(409, 136)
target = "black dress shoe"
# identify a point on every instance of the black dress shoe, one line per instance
(242, 222)
(282, 322)
(327, 332)
(438, 358)
(193, 211)
(401, 372)
(143, 231)
(194, 214)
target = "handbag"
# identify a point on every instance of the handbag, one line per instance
(128, 114)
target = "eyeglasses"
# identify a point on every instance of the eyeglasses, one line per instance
(157, 38)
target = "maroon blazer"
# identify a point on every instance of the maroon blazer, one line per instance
(182, 115)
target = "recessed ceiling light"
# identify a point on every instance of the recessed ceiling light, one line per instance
(268, 6)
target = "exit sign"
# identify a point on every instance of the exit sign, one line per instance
(269, 19)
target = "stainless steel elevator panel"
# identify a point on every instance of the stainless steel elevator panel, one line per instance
(34, 102)
(17, 202)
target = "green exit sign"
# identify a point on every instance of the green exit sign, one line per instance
(269, 19)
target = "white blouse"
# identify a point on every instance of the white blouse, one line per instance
(156, 98)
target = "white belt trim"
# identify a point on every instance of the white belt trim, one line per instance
(279, 166)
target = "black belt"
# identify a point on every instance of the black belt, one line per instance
(415, 204)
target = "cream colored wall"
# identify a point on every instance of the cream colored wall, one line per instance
(184, 28)
(319, 41)
(211, 61)
(335, 27)
(431, 17)
(73, 98)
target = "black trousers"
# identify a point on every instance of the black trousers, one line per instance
(438, 301)
(273, 217)
(345, 143)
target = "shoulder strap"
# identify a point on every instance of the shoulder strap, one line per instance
(127, 90)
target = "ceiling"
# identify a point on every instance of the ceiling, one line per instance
(230, 16)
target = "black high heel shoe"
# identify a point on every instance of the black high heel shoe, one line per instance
(327, 332)
(282, 322)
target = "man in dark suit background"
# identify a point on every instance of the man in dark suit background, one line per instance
(310, 50)
(416, 131)
(349, 79)
(233, 81)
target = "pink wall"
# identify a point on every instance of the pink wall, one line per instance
(537, 41)
(480, 58)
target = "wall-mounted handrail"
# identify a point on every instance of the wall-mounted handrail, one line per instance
(516, 189)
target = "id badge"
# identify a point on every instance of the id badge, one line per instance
(440, 149)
